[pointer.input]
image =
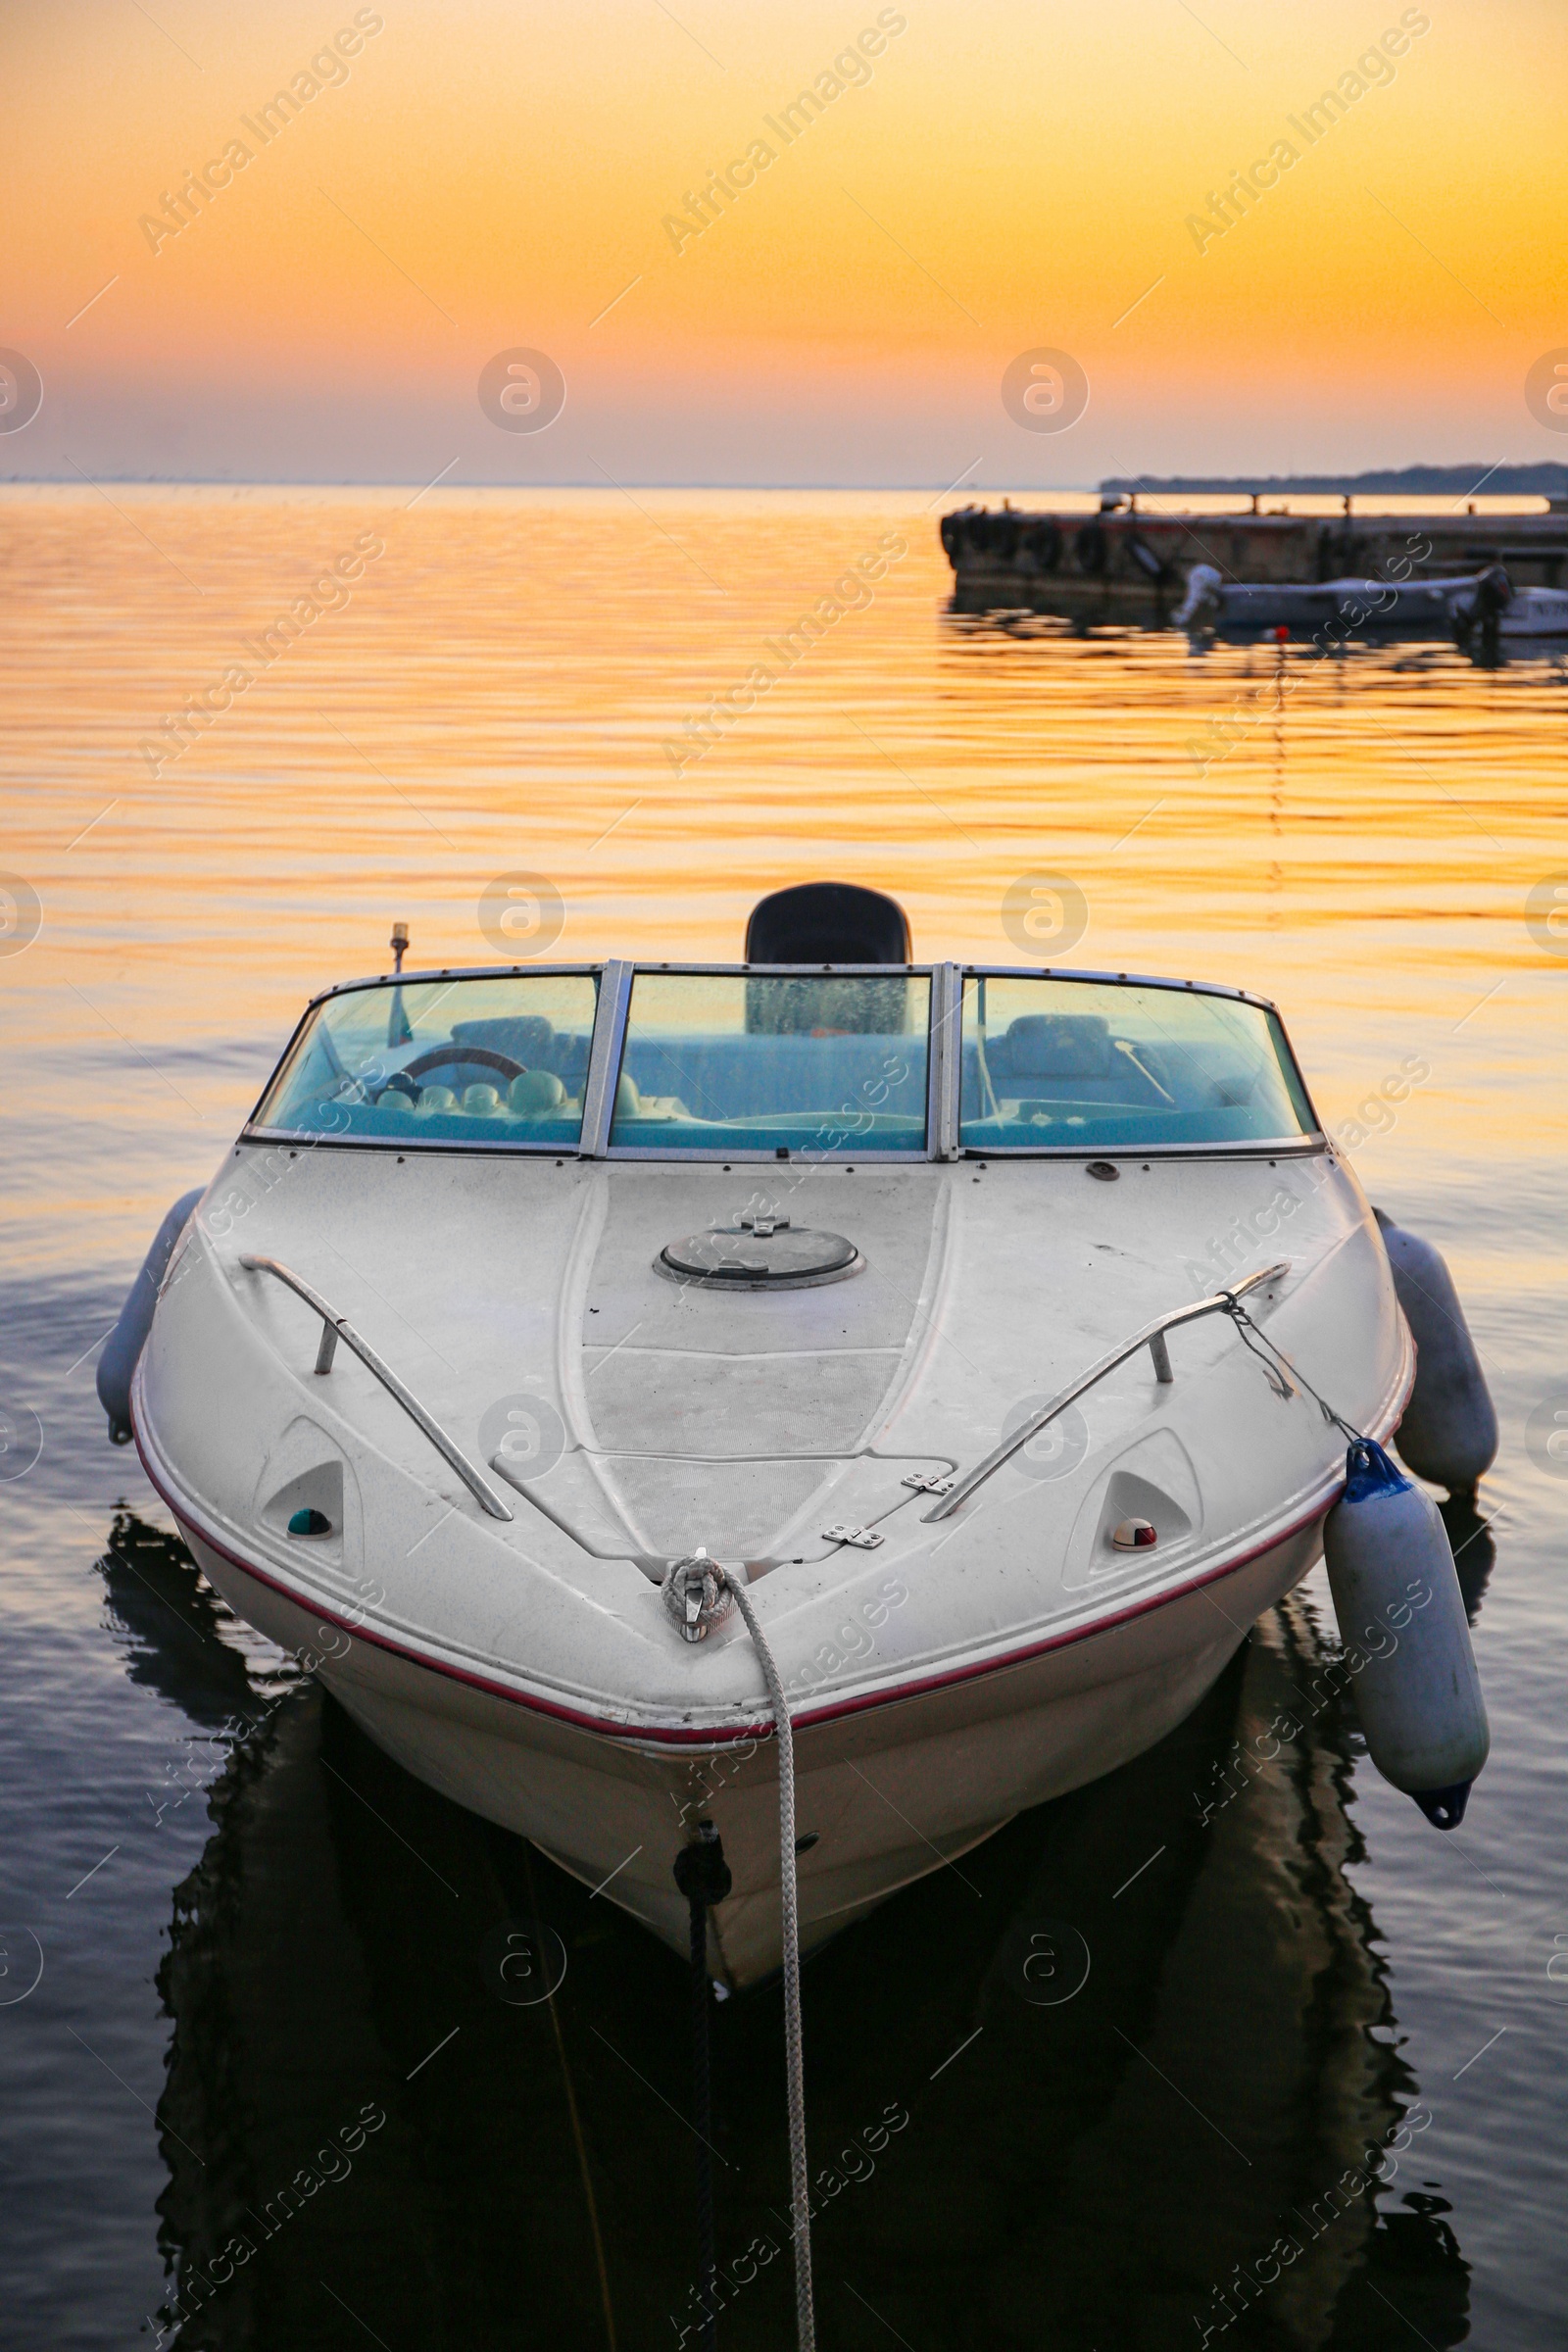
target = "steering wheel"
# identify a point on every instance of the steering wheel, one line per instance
(435, 1057)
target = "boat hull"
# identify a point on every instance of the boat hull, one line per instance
(890, 1793)
(951, 1660)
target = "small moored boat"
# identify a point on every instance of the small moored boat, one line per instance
(968, 1326)
(1350, 607)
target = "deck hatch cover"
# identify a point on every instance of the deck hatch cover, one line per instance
(752, 1257)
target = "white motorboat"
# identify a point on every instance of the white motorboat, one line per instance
(970, 1320)
(1350, 607)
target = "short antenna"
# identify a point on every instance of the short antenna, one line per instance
(398, 1029)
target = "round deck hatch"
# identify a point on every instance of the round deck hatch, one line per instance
(760, 1255)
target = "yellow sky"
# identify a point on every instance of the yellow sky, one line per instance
(999, 176)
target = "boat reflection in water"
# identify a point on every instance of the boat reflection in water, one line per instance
(1340, 633)
(1123, 2076)
(1475, 1549)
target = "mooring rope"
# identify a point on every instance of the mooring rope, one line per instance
(1281, 1368)
(704, 1878)
(794, 2062)
(703, 2118)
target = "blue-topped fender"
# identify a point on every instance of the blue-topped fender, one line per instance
(118, 1363)
(1368, 1472)
(1402, 1623)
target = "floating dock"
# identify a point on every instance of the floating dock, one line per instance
(1129, 562)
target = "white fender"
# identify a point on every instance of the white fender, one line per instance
(1402, 1623)
(118, 1363)
(1449, 1431)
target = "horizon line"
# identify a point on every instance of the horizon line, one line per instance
(283, 481)
(1244, 485)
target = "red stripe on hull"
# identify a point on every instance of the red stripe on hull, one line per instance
(685, 1736)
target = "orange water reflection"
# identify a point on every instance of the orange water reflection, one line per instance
(506, 686)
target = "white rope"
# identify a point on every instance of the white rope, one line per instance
(799, 2179)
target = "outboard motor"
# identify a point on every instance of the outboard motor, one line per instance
(1449, 1431)
(827, 922)
(118, 1362)
(1481, 610)
(1396, 1597)
(817, 924)
(1493, 594)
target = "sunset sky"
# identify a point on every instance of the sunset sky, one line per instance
(997, 176)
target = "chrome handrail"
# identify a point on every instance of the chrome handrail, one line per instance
(335, 1327)
(1151, 1337)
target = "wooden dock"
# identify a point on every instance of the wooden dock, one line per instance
(1130, 562)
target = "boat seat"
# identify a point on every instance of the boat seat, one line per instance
(1055, 1045)
(535, 1094)
(524, 1037)
(532, 1040)
(1061, 1056)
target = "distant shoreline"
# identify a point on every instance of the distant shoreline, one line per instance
(1410, 482)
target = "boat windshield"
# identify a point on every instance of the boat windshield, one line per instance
(492, 1060)
(1053, 1065)
(821, 1067)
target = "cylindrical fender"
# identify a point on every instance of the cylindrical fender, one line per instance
(1402, 1622)
(1092, 547)
(1449, 1431)
(118, 1362)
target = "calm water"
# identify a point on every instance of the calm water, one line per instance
(254, 1932)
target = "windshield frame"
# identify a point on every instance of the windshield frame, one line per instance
(303, 1137)
(1303, 1145)
(767, 1156)
(944, 1064)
